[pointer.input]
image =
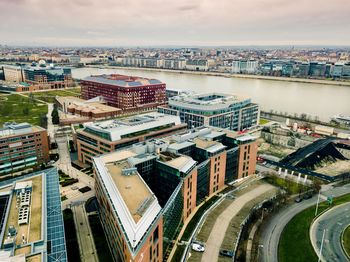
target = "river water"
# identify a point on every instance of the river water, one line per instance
(319, 100)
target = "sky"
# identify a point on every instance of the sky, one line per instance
(174, 22)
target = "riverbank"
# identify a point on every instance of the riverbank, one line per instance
(229, 75)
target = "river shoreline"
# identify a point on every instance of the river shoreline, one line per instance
(229, 75)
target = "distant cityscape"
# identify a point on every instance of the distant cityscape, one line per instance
(295, 62)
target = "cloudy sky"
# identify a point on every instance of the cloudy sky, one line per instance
(174, 22)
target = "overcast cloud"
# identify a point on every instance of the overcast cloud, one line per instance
(174, 22)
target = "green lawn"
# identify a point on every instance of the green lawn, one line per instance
(21, 109)
(346, 239)
(263, 121)
(49, 95)
(295, 244)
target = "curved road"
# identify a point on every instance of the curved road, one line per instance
(273, 229)
(334, 223)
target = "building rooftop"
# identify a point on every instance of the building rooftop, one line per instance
(207, 102)
(12, 129)
(182, 163)
(115, 130)
(122, 80)
(37, 196)
(134, 202)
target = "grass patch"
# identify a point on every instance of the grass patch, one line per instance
(295, 244)
(71, 236)
(286, 184)
(263, 121)
(346, 240)
(101, 244)
(195, 219)
(178, 253)
(49, 95)
(21, 109)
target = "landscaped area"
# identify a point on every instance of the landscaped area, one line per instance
(71, 236)
(21, 109)
(49, 95)
(346, 241)
(295, 244)
(100, 240)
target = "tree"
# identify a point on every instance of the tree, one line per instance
(55, 117)
(25, 111)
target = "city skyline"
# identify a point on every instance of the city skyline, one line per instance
(159, 23)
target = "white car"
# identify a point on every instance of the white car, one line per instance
(197, 247)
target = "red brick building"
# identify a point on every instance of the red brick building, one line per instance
(129, 93)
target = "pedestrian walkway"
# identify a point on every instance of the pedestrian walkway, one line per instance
(217, 234)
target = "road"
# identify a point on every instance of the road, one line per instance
(273, 229)
(333, 223)
(85, 239)
(217, 234)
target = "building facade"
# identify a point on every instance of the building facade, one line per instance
(13, 73)
(219, 110)
(48, 77)
(107, 136)
(129, 93)
(181, 170)
(22, 146)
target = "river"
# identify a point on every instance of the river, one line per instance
(319, 100)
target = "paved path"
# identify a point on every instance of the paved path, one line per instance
(222, 222)
(85, 239)
(334, 222)
(272, 231)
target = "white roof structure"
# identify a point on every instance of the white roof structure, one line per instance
(117, 129)
(134, 202)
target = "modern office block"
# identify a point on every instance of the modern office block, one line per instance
(22, 145)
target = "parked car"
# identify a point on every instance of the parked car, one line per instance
(226, 253)
(298, 200)
(307, 196)
(197, 247)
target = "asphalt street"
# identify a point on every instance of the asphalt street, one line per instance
(333, 223)
(273, 229)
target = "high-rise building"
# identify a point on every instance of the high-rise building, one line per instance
(173, 174)
(215, 109)
(129, 93)
(31, 222)
(107, 136)
(22, 146)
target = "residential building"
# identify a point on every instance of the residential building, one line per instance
(180, 170)
(197, 65)
(22, 146)
(129, 211)
(31, 222)
(129, 93)
(107, 136)
(214, 109)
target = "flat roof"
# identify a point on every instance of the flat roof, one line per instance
(128, 185)
(134, 203)
(14, 129)
(122, 80)
(182, 163)
(125, 127)
(207, 102)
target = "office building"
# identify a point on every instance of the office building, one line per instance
(22, 146)
(13, 73)
(107, 136)
(180, 171)
(215, 109)
(48, 77)
(76, 110)
(129, 211)
(129, 93)
(31, 222)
